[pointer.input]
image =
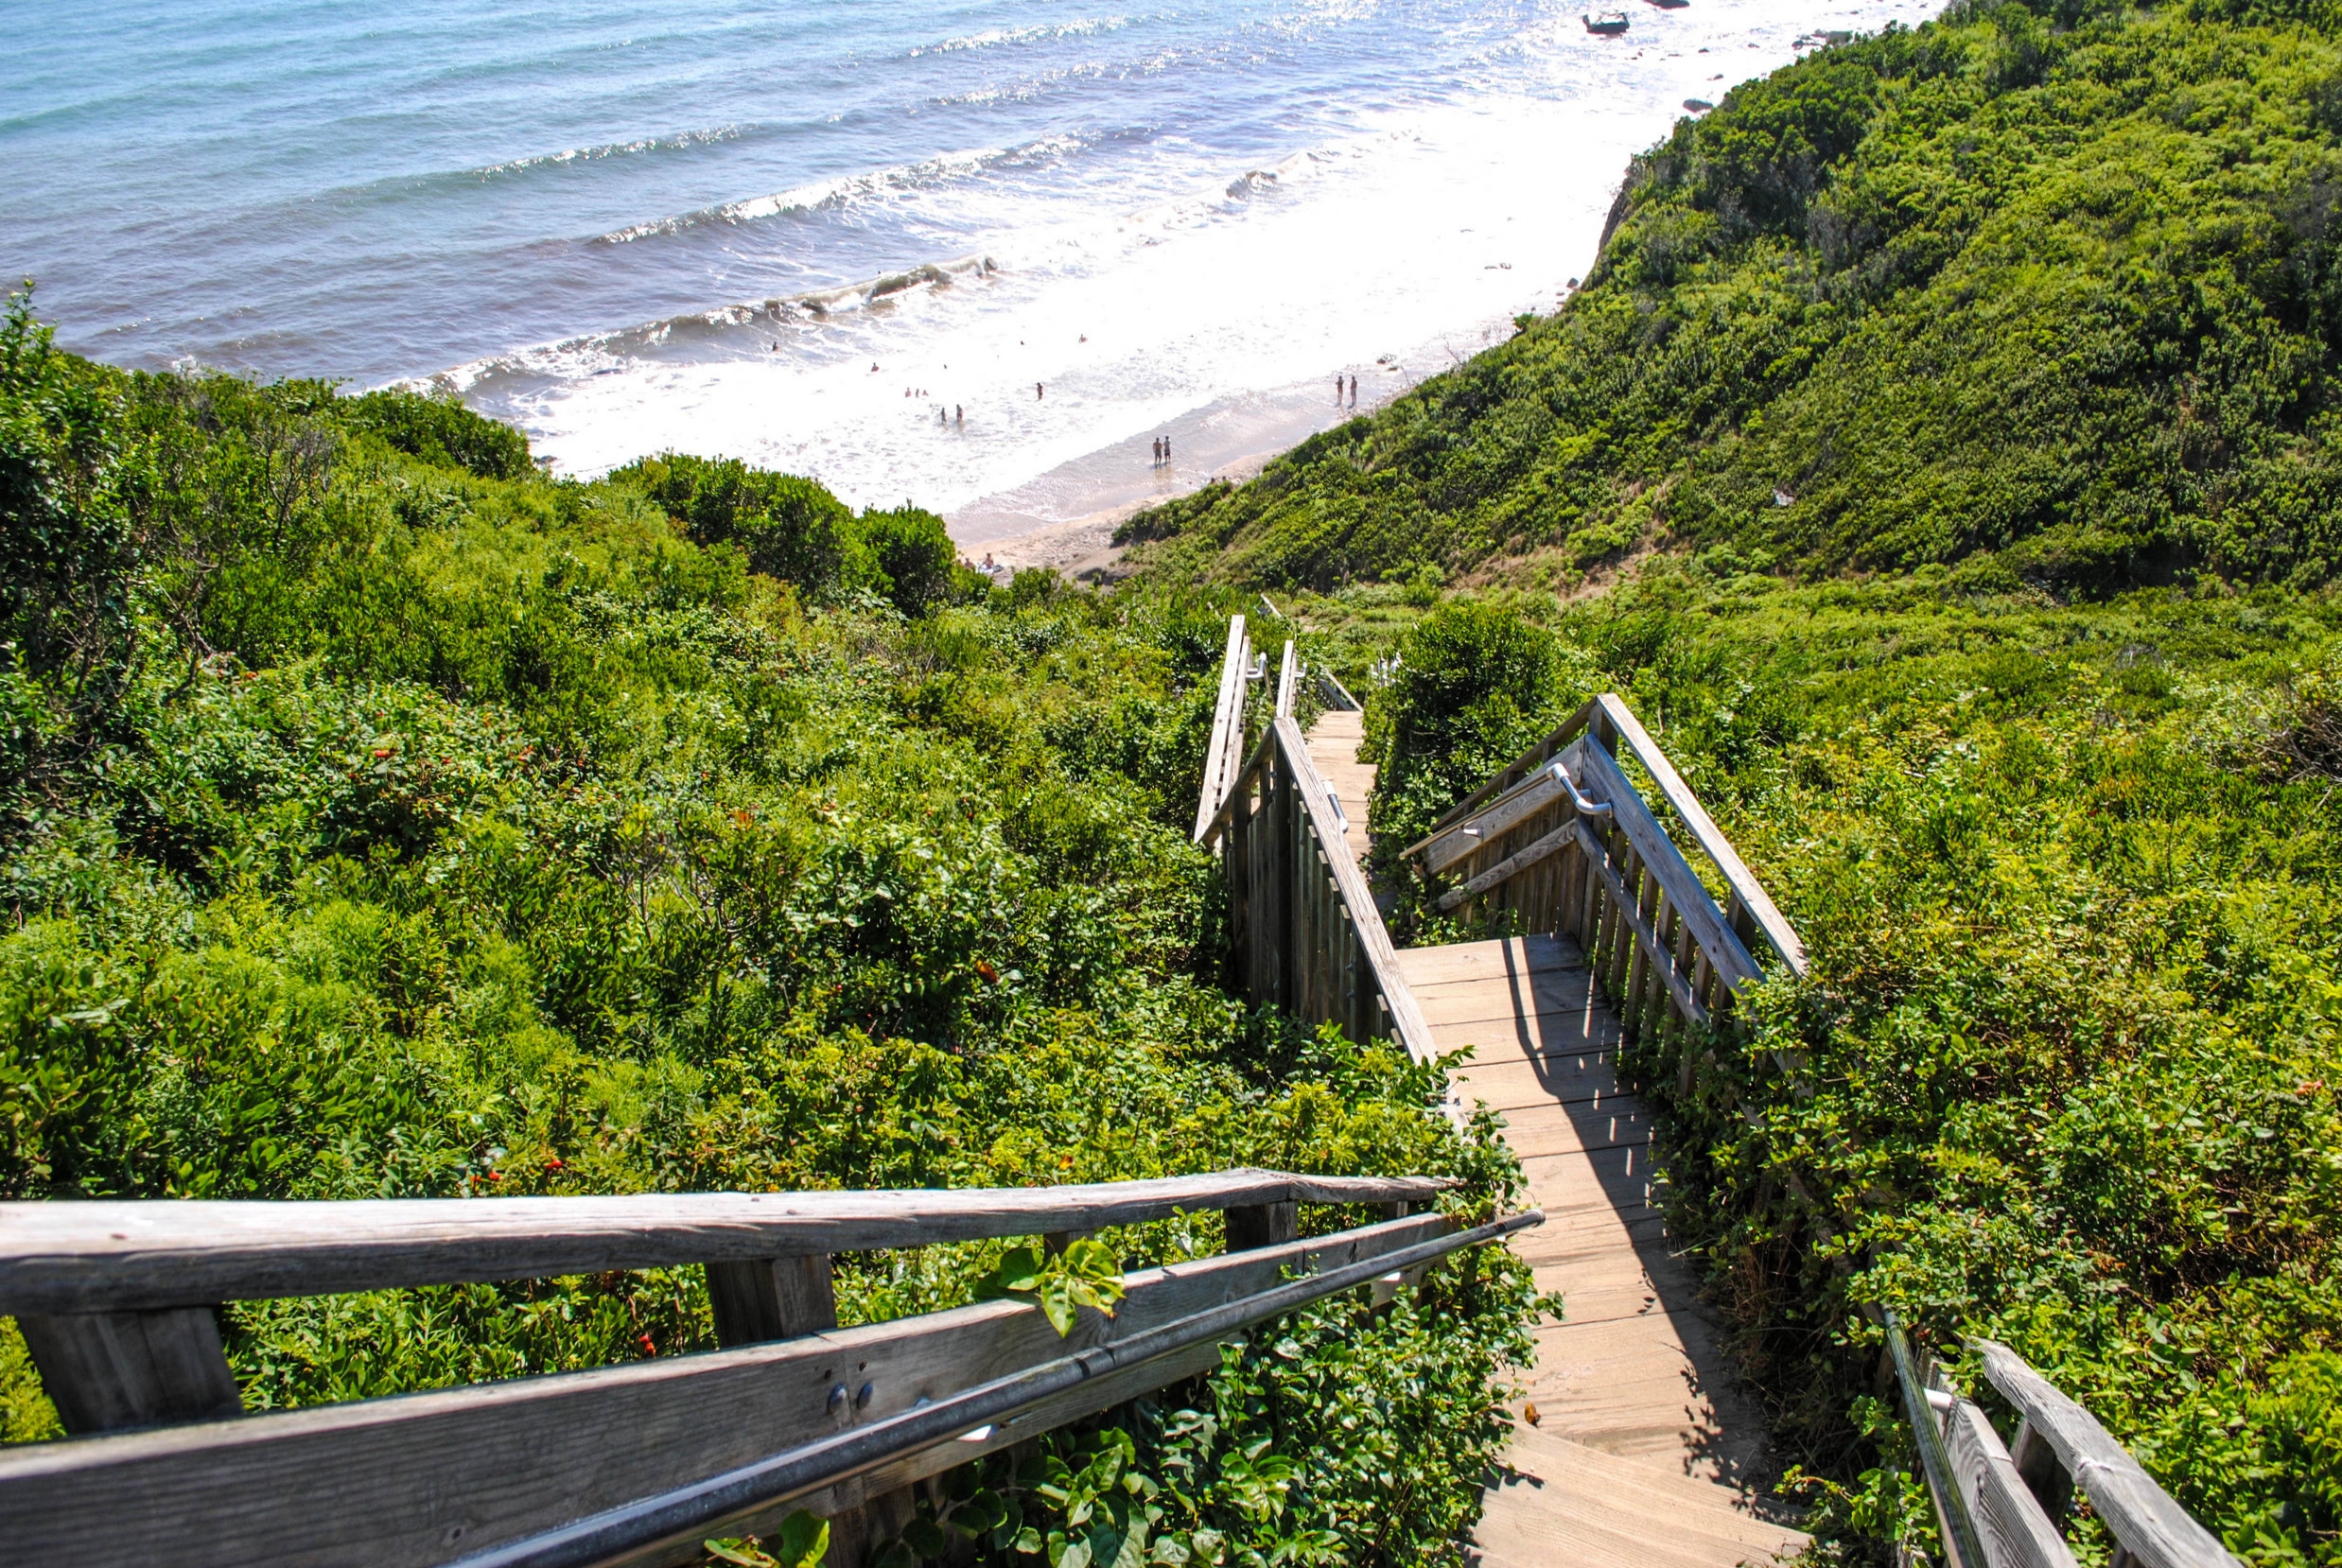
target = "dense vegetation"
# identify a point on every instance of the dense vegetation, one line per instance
(380, 817)
(1953, 413)
(2052, 290)
(2070, 1058)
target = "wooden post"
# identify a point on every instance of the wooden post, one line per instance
(2037, 1466)
(772, 1298)
(1262, 1224)
(109, 1372)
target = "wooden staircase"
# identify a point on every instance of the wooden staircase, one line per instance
(1639, 1451)
(1642, 1455)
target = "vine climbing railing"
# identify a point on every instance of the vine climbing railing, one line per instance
(639, 1462)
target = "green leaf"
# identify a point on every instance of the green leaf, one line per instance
(803, 1540)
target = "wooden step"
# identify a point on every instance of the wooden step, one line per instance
(1646, 1454)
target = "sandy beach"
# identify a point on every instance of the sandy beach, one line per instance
(1066, 518)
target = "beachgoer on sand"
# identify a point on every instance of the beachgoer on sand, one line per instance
(1035, 391)
(960, 415)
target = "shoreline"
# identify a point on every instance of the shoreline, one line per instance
(1065, 518)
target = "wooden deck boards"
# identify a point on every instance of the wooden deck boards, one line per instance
(1334, 752)
(1644, 1454)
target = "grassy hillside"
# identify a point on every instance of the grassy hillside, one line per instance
(380, 818)
(2052, 291)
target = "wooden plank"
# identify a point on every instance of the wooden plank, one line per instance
(425, 1478)
(1477, 832)
(1514, 865)
(1357, 902)
(1287, 680)
(118, 1255)
(113, 1371)
(1747, 891)
(772, 1298)
(1601, 778)
(2017, 1534)
(1215, 749)
(2142, 1516)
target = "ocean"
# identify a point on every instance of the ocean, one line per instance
(976, 256)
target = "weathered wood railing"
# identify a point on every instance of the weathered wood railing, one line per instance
(637, 1462)
(1307, 935)
(2000, 1505)
(1561, 840)
(1224, 752)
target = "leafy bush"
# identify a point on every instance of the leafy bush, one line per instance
(2065, 1073)
(1476, 686)
(2053, 285)
(438, 428)
(459, 836)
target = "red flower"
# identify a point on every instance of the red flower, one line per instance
(648, 1348)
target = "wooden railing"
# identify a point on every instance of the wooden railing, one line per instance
(1307, 935)
(1561, 841)
(636, 1462)
(2002, 1506)
(1224, 752)
(1611, 728)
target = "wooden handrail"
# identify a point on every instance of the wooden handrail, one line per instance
(118, 1256)
(1310, 936)
(2146, 1520)
(433, 1477)
(1227, 738)
(1746, 891)
(1506, 777)
(1613, 725)
(1336, 695)
(1357, 900)
(1560, 840)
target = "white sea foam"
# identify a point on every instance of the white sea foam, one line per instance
(1390, 252)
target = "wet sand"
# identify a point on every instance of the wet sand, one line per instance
(1066, 518)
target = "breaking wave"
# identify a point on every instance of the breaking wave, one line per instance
(849, 190)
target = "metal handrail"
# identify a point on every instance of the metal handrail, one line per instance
(1967, 1550)
(781, 1477)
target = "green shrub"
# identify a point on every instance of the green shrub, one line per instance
(438, 428)
(453, 835)
(1476, 685)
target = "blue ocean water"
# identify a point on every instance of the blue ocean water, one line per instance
(701, 223)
